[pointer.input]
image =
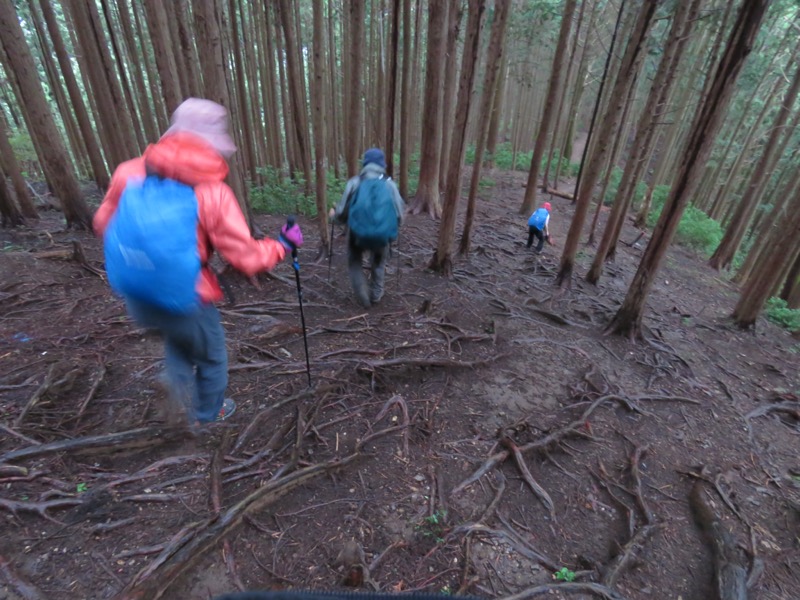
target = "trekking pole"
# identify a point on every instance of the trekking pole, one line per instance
(330, 253)
(289, 224)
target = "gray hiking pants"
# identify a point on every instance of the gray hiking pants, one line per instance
(367, 295)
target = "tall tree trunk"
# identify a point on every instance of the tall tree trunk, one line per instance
(454, 11)
(249, 152)
(426, 200)
(734, 234)
(493, 135)
(187, 59)
(493, 61)
(216, 87)
(618, 94)
(590, 134)
(41, 124)
(405, 114)
(270, 89)
(442, 260)
(318, 102)
(545, 125)
(767, 274)
(10, 166)
(99, 170)
(158, 24)
(159, 109)
(628, 319)
(123, 78)
(391, 86)
(556, 140)
(355, 87)
(294, 74)
(680, 30)
(791, 288)
(10, 215)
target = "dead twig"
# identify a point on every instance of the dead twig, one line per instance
(570, 588)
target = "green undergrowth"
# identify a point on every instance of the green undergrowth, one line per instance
(696, 229)
(779, 313)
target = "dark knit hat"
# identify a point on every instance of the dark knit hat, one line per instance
(374, 156)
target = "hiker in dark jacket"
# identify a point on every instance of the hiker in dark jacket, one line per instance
(372, 231)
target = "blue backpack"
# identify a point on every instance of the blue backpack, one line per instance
(538, 218)
(371, 216)
(151, 245)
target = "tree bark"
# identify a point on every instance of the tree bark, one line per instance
(618, 94)
(10, 215)
(442, 260)
(10, 165)
(294, 74)
(96, 161)
(216, 86)
(767, 274)
(685, 14)
(454, 12)
(391, 87)
(158, 25)
(494, 55)
(41, 124)
(628, 319)
(355, 87)
(426, 200)
(405, 115)
(791, 289)
(318, 101)
(734, 234)
(545, 125)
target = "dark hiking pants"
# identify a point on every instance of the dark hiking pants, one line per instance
(537, 233)
(367, 294)
(196, 361)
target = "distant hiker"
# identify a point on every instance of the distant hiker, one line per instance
(372, 208)
(163, 216)
(538, 226)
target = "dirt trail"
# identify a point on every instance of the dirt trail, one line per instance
(451, 376)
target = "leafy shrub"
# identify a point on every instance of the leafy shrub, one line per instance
(779, 313)
(696, 229)
(613, 189)
(283, 196)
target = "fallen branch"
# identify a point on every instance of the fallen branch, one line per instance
(788, 407)
(181, 554)
(445, 363)
(560, 194)
(134, 438)
(98, 379)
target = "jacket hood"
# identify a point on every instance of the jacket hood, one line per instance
(373, 170)
(186, 158)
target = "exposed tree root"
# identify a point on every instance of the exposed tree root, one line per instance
(25, 589)
(730, 576)
(629, 553)
(134, 438)
(569, 588)
(537, 489)
(181, 554)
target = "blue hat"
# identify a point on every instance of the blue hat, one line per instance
(375, 156)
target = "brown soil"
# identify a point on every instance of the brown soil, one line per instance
(451, 368)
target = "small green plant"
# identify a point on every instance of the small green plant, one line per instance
(446, 591)
(564, 574)
(81, 487)
(779, 313)
(485, 183)
(696, 229)
(433, 526)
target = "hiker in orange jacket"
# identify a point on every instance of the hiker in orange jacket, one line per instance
(193, 152)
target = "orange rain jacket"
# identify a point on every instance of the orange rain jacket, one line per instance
(221, 225)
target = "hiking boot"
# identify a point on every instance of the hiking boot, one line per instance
(228, 408)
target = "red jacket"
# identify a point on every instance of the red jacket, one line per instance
(221, 224)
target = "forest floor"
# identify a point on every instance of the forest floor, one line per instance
(472, 435)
